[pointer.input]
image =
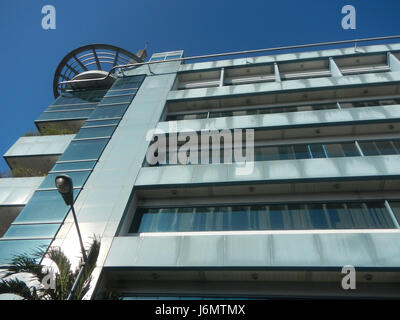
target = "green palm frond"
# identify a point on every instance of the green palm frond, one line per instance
(64, 279)
(84, 282)
(19, 288)
(28, 263)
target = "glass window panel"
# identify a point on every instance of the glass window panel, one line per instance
(275, 217)
(78, 179)
(334, 150)
(116, 99)
(368, 148)
(339, 216)
(325, 106)
(118, 92)
(371, 215)
(268, 153)
(318, 216)
(317, 151)
(268, 217)
(79, 97)
(146, 218)
(297, 217)
(166, 220)
(396, 144)
(84, 150)
(379, 216)
(258, 154)
(10, 248)
(191, 116)
(32, 231)
(204, 220)
(357, 213)
(258, 218)
(239, 113)
(174, 57)
(280, 109)
(241, 218)
(304, 108)
(385, 147)
(68, 99)
(98, 132)
(387, 102)
(186, 219)
(80, 165)
(157, 58)
(75, 114)
(301, 151)
(116, 111)
(264, 111)
(45, 206)
(74, 107)
(128, 82)
(286, 153)
(395, 205)
(198, 218)
(350, 149)
(345, 105)
(100, 122)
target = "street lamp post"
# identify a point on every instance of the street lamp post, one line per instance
(65, 188)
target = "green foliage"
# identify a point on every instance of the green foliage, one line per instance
(64, 280)
(49, 130)
(18, 172)
(18, 288)
(32, 133)
(52, 129)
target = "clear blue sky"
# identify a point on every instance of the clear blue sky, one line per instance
(29, 55)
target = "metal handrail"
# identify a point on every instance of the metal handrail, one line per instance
(355, 41)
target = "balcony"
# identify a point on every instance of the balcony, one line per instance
(14, 194)
(37, 154)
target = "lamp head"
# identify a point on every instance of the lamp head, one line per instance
(65, 188)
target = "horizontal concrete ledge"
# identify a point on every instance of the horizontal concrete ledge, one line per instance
(288, 120)
(323, 83)
(18, 191)
(324, 250)
(287, 57)
(39, 145)
(278, 171)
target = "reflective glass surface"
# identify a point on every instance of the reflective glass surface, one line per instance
(10, 248)
(98, 132)
(78, 179)
(74, 114)
(32, 231)
(297, 151)
(380, 147)
(100, 122)
(116, 99)
(80, 165)
(71, 107)
(84, 150)
(45, 206)
(116, 111)
(363, 215)
(120, 91)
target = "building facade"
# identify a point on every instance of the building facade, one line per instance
(322, 192)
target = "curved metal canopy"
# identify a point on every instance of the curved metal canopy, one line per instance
(93, 59)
